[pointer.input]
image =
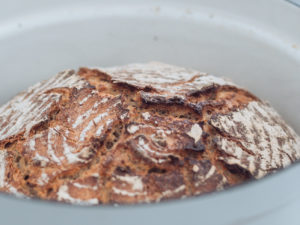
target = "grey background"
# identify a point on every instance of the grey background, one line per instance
(296, 2)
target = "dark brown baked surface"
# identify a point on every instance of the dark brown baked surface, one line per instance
(137, 133)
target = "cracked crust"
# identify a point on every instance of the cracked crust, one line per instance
(137, 133)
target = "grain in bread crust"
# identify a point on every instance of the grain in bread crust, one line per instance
(137, 133)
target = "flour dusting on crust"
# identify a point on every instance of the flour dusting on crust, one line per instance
(30, 108)
(172, 80)
(257, 139)
(2, 167)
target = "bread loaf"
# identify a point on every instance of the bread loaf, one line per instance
(137, 133)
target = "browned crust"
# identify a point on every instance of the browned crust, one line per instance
(141, 144)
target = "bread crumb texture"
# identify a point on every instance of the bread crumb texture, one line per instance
(137, 133)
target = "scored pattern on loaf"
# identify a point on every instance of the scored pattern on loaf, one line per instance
(171, 80)
(30, 108)
(137, 133)
(257, 139)
(67, 141)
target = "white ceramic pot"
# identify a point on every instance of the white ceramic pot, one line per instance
(256, 43)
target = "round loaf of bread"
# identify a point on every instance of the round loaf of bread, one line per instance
(137, 133)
